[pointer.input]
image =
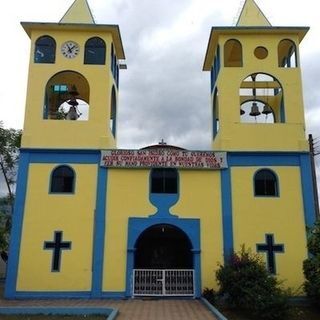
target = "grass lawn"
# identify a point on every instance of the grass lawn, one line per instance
(47, 317)
(297, 313)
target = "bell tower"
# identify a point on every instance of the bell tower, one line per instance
(256, 89)
(73, 82)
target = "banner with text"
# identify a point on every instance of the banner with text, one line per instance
(163, 158)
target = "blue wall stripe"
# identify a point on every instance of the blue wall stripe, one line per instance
(191, 227)
(307, 190)
(17, 223)
(99, 233)
(248, 159)
(65, 157)
(227, 223)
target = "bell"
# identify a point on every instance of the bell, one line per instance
(266, 109)
(72, 114)
(73, 102)
(73, 92)
(242, 112)
(254, 110)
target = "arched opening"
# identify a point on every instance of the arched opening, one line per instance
(114, 66)
(113, 112)
(45, 50)
(112, 58)
(95, 51)
(67, 97)
(232, 53)
(163, 246)
(261, 99)
(215, 113)
(287, 54)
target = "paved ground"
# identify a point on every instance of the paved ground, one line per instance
(132, 309)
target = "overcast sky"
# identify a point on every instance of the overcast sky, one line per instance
(164, 93)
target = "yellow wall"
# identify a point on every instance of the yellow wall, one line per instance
(200, 197)
(45, 213)
(129, 197)
(94, 133)
(253, 217)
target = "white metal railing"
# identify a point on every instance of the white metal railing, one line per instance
(167, 282)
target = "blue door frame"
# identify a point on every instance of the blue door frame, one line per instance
(191, 227)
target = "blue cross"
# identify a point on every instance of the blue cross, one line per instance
(270, 249)
(57, 245)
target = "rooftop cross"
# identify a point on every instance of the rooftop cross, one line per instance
(162, 142)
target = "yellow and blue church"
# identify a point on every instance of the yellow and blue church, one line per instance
(94, 221)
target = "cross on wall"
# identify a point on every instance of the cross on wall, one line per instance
(57, 245)
(270, 248)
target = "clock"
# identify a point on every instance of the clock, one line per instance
(70, 49)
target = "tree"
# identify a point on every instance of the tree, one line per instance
(10, 140)
(311, 266)
(9, 154)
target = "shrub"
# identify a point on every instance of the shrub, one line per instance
(311, 266)
(210, 295)
(247, 285)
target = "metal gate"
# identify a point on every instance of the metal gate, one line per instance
(170, 282)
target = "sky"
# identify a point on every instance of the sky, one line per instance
(164, 94)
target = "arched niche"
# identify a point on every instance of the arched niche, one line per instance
(67, 97)
(287, 54)
(261, 99)
(233, 53)
(113, 112)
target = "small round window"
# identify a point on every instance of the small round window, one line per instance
(261, 52)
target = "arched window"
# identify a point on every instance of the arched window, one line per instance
(265, 183)
(95, 51)
(45, 50)
(113, 112)
(62, 180)
(164, 181)
(287, 54)
(232, 53)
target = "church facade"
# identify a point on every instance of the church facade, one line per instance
(93, 221)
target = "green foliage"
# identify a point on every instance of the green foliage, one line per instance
(210, 295)
(9, 153)
(5, 226)
(247, 285)
(311, 266)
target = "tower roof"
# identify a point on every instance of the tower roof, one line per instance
(251, 15)
(79, 12)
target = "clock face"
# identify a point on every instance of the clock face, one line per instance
(70, 49)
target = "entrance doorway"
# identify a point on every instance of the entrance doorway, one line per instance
(163, 263)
